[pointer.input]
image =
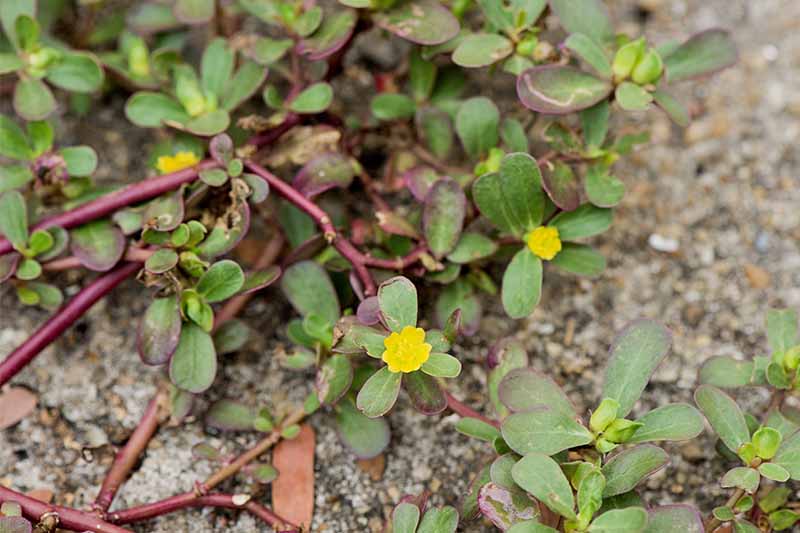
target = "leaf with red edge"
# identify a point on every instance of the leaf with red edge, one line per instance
(504, 507)
(159, 331)
(419, 21)
(14, 524)
(559, 90)
(425, 393)
(15, 404)
(324, 172)
(561, 185)
(334, 32)
(443, 216)
(293, 491)
(419, 181)
(668, 518)
(8, 265)
(98, 245)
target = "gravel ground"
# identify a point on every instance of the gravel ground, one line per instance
(705, 240)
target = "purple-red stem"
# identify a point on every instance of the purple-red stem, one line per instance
(72, 519)
(465, 411)
(127, 456)
(190, 499)
(63, 319)
(132, 194)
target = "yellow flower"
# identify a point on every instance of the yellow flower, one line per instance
(406, 351)
(174, 163)
(544, 242)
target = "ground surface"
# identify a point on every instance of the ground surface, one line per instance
(723, 195)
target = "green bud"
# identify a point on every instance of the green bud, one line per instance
(605, 413)
(40, 241)
(621, 430)
(604, 446)
(41, 60)
(191, 264)
(197, 231)
(747, 453)
(527, 45)
(494, 159)
(626, 59)
(766, 442)
(139, 58)
(27, 296)
(791, 359)
(459, 7)
(188, 91)
(649, 68)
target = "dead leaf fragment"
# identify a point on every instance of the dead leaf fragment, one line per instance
(757, 276)
(15, 404)
(373, 467)
(293, 490)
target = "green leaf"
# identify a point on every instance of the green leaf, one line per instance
(222, 280)
(588, 17)
(632, 97)
(726, 372)
(194, 11)
(11, 11)
(98, 245)
(267, 51)
(675, 422)
(379, 393)
(443, 216)
(151, 110)
(476, 124)
(474, 427)
(636, 353)
(630, 467)
(309, 289)
(459, 296)
(366, 437)
(208, 124)
(216, 66)
(675, 110)
(230, 336)
(562, 185)
(419, 21)
(77, 72)
(421, 76)
(472, 247)
(331, 36)
(741, 477)
(13, 142)
(392, 106)
(774, 472)
(397, 299)
(159, 331)
(243, 85)
(14, 177)
(603, 189)
(28, 269)
(704, 53)
(514, 136)
(194, 364)
(439, 520)
(585, 221)
(781, 329)
(530, 526)
(481, 49)
(594, 121)
(590, 51)
(522, 284)
(788, 456)
(14, 219)
(313, 99)
(405, 518)
(541, 476)
(80, 160)
(229, 415)
(425, 393)
(545, 431)
(442, 365)
(33, 99)
(49, 296)
(333, 379)
(525, 389)
(580, 259)
(504, 356)
(512, 199)
(27, 33)
(434, 126)
(558, 90)
(724, 415)
(630, 520)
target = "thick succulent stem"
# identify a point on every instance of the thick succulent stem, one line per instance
(64, 318)
(461, 409)
(127, 456)
(71, 519)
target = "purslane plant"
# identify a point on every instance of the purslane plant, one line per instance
(362, 213)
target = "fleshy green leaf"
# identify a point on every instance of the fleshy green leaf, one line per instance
(482, 49)
(588, 17)
(603, 189)
(545, 431)
(558, 90)
(314, 99)
(781, 329)
(443, 216)
(392, 106)
(216, 67)
(525, 389)
(99, 245)
(419, 21)
(33, 100)
(670, 518)
(522, 284)
(630, 520)
(425, 393)
(405, 518)
(151, 110)
(472, 247)
(724, 415)
(704, 53)
(379, 393)
(476, 124)
(243, 85)
(222, 280)
(741, 477)
(159, 331)
(397, 299)
(632, 97)
(591, 52)
(726, 372)
(562, 185)
(14, 219)
(194, 364)
(541, 476)
(194, 11)
(580, 259)
(80, 160)
(636, 353)
(585, 221)
(366, 437)
(331, 36)
(627, 469)
(77, 72)
(13, 142)
(229, 415)
(788, 456)
(675, 110)
(675, 422)
(442, 365)
(309, 289)
(333, 379)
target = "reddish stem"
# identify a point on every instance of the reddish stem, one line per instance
(68, 518)
(63, 319)
(465, 411)
(132, 194)
(399, 263)
(321, 218)
(190, 499)
(139, 255)
(127, 456)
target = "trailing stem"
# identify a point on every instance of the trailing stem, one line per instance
(459, 408)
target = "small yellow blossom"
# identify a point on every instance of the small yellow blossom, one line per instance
(174, 163)
(544, 242)
(406, 351)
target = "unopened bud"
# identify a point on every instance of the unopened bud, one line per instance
(621, 430)
(626, 59)
(649, 68)
(604, 415)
